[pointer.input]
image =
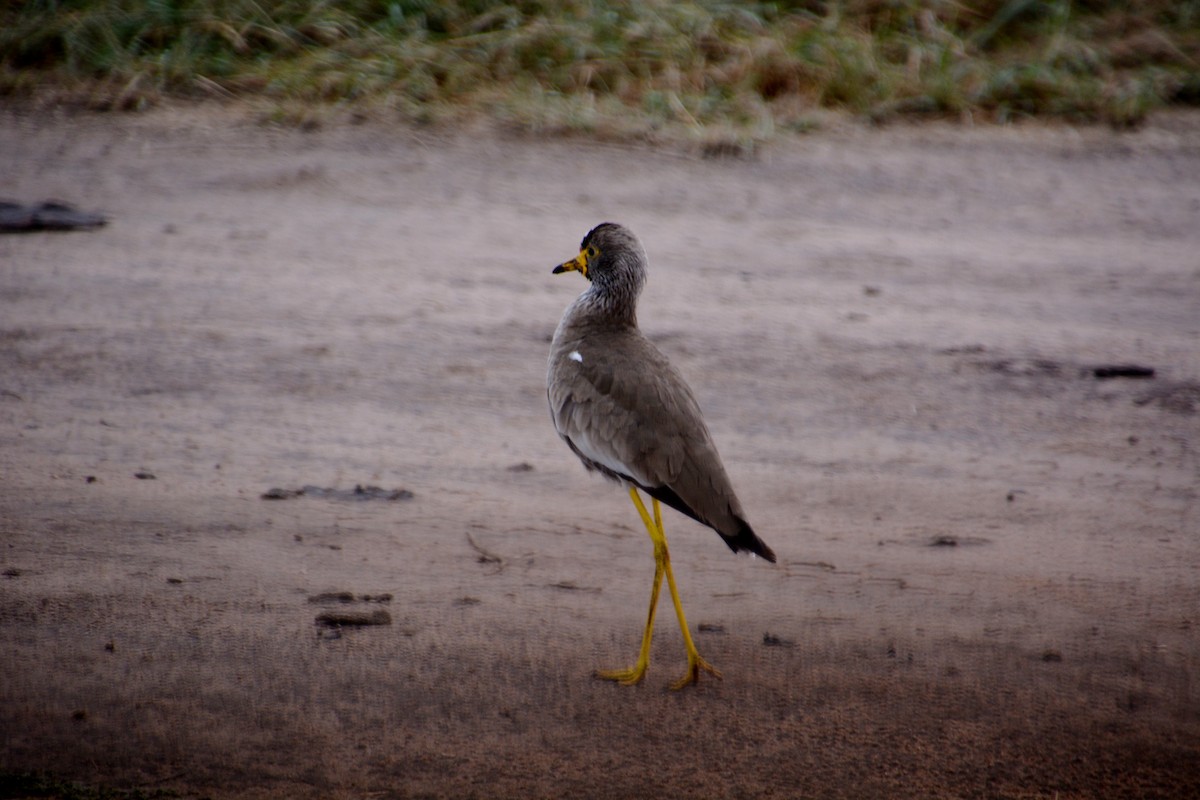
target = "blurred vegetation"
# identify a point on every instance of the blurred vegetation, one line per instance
(623, 67)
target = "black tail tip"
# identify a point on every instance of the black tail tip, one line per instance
(747, 539)
(762, 551)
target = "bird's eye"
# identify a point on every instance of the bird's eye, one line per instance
(591, 251)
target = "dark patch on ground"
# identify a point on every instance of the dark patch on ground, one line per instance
(359, 492)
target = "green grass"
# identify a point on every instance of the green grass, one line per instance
(618, 66)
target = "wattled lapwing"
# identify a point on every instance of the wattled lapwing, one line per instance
(628, 414)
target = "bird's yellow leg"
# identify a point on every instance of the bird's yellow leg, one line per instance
(634, 674)
(695, 662)
(662, 566)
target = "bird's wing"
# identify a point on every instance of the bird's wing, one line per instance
(623, 406)
(625, 410)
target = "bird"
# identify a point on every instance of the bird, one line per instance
(628, 414)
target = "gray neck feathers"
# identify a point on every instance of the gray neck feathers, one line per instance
(614, 291)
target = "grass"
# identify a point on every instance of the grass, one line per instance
(617, 67)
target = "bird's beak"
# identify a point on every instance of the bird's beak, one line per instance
(577, 264)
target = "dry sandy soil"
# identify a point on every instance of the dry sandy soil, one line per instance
(989, 558)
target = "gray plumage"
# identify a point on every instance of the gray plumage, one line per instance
(623, 408)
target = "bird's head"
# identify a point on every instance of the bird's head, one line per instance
(609, 253)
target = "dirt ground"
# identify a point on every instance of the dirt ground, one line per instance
(989, 557)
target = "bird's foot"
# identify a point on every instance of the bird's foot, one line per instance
(695, 665)
(626, 677)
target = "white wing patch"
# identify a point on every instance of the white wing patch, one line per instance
(601, 454)
(575, 356)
